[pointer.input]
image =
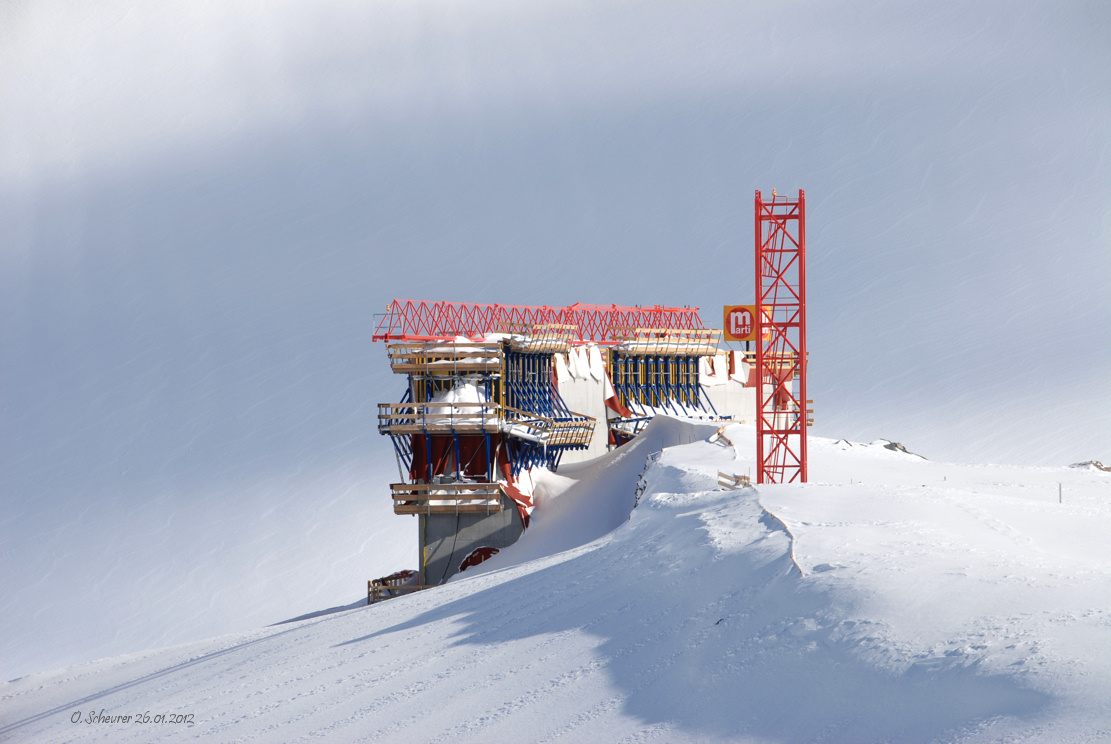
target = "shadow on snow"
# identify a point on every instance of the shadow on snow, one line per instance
(729, 644)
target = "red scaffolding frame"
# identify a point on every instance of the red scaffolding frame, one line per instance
(781, 404)
(417, 320)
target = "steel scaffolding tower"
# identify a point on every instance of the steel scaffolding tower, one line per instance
(781, 403)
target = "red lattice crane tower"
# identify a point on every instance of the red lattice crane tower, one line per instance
(781, 404)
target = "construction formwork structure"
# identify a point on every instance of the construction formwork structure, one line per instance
(650, 354)
(482, 406)
(657, 370)
(474, 416)
(471, 412)
(781, 403)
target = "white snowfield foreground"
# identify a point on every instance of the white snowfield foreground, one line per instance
(892, 599)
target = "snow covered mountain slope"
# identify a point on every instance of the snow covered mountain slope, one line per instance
(891, 599)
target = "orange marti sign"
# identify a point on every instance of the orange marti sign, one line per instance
(740, 322)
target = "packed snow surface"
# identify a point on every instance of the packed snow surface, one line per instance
(890, 599)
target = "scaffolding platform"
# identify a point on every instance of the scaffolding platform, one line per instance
(447, 498)
(444, 358)
(439, 418)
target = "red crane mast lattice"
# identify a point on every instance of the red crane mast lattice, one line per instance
(781, 403)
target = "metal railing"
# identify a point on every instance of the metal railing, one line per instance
(575, 432)
(417, 418)
(483, 418)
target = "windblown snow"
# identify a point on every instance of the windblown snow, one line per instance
(890, 599)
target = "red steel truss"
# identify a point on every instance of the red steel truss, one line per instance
(414, 320)
(781, 418)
